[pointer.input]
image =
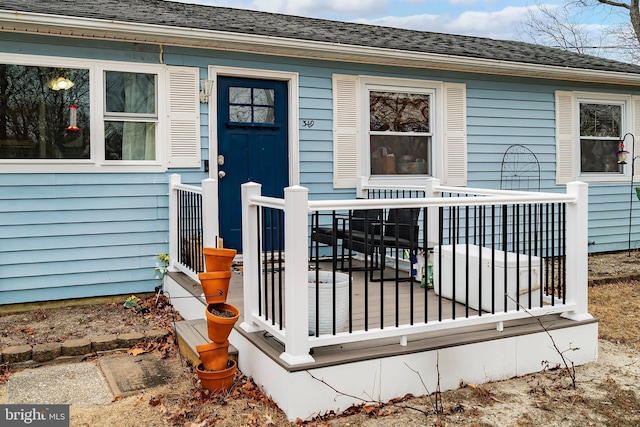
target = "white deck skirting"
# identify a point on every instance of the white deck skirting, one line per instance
(299, 395)
(375, 378)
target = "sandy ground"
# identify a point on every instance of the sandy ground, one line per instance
(606, 392)
(606, 395)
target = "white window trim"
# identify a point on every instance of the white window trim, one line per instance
(102, 114)
(571, 135)
(97, 162)
(386, 84)
(434, 133)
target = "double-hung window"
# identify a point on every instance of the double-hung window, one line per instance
(601, 126)
(400, 132)
(590, 128)
(130, 115)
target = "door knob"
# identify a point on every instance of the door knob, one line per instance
(221, 174)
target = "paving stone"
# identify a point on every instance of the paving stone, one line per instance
(130, 339)
(45, 352)
(77, 347)
(156, 334)
(105, 342)
(16, 354)
(132, 374)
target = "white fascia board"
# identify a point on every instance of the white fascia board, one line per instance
(239, 42)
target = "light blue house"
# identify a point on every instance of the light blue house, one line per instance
(101, 102)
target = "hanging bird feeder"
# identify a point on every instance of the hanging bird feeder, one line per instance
(73, 127)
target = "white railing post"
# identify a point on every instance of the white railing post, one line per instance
(433, 212)
(250, 255)
(296, 230)
(210, 227)
(361, 192)
(174, 180)
(577, 253)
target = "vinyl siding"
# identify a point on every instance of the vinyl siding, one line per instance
(65, 234)
(77, 235)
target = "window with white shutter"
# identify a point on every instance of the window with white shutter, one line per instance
(455, 135)
(184, 117)
(345, 131)
(98, 116)
(590, 128)
(387, 127)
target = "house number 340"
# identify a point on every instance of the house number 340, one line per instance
(308, 123)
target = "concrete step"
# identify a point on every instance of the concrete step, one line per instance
(191, 333)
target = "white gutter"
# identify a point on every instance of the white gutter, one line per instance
(25, 22)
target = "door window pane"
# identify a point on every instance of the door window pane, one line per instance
(240, 95)
(263, 96)
(44, 112)
(251, 105)
(264, 115)
(239, 113)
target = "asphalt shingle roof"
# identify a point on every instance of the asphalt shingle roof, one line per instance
(183, 15)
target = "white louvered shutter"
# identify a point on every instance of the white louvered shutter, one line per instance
(565, 122)
(635, 105)
(455, 135)
(184, 117)
(345, 131)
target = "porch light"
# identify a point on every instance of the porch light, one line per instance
(60, 83)
(206, 88)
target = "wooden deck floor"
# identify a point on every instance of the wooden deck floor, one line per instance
(391, 303)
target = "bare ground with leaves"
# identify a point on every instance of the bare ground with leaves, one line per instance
(606, 392)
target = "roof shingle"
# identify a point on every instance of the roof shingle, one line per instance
(184, 15)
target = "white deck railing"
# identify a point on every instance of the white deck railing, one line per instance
(297, 207)
(188, 220)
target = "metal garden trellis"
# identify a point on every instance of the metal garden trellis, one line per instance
(622, 160)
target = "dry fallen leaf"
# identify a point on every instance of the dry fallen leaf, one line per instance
(136, 351)
(155, 400)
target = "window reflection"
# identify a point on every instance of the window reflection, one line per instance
(40, 119)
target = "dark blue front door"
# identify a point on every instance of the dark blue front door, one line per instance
(252, 145)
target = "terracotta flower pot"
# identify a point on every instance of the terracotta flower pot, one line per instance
(218, 259)
(213, 355)
(215, 286)
(217, 381)
(219, 326)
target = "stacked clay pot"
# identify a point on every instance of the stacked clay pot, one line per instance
(217, 372)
